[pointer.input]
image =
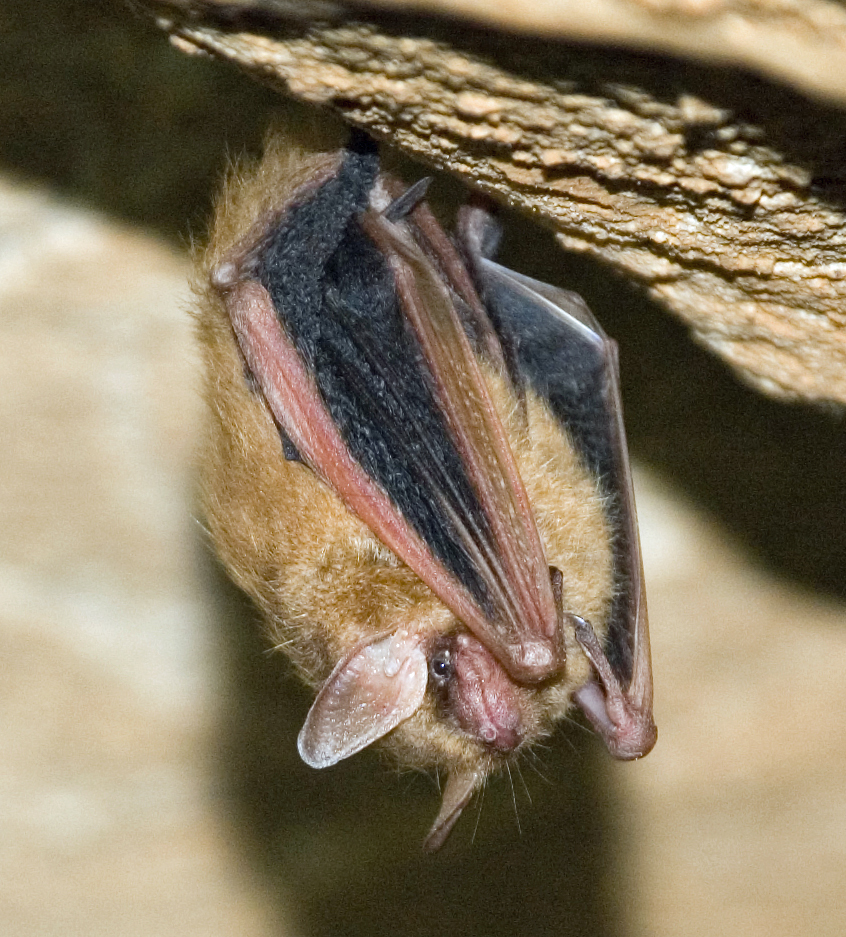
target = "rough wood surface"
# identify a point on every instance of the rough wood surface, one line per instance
(719, 192)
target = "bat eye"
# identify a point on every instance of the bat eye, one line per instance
(440, 667)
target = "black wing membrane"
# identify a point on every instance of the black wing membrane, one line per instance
(335, 298)
(566, 358)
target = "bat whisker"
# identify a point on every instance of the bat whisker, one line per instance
(588, 730)
(519, 771)
(411, 779)
(534, 766)
(514, 798)
(479, 809)
(280, 646)
(203, 527)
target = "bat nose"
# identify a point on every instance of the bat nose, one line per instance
(485, 700)
(504, 738)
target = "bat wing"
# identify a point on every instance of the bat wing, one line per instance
(496, 529)
(563, 354)
(352, 335)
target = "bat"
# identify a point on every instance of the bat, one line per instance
(416, 466)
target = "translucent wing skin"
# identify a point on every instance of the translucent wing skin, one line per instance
(561, 351)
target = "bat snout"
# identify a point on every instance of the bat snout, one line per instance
(483, 698)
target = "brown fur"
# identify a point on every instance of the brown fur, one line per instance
(322, 579)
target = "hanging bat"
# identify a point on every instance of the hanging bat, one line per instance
(417, 468)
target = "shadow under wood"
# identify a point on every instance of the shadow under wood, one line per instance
(340, 849)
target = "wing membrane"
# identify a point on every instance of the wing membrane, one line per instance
(564, 355)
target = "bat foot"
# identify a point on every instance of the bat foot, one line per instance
(621, 717)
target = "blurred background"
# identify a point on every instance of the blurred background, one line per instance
(149, 782)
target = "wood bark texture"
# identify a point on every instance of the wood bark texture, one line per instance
(720, 192)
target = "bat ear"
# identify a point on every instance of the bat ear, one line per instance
(378, 685)
(459, 789)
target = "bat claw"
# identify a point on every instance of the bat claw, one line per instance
(406, 203)
(621, 717)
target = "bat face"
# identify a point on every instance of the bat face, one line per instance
(416, 467)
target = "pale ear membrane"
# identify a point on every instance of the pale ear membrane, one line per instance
(459, 789)
(378, 685)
